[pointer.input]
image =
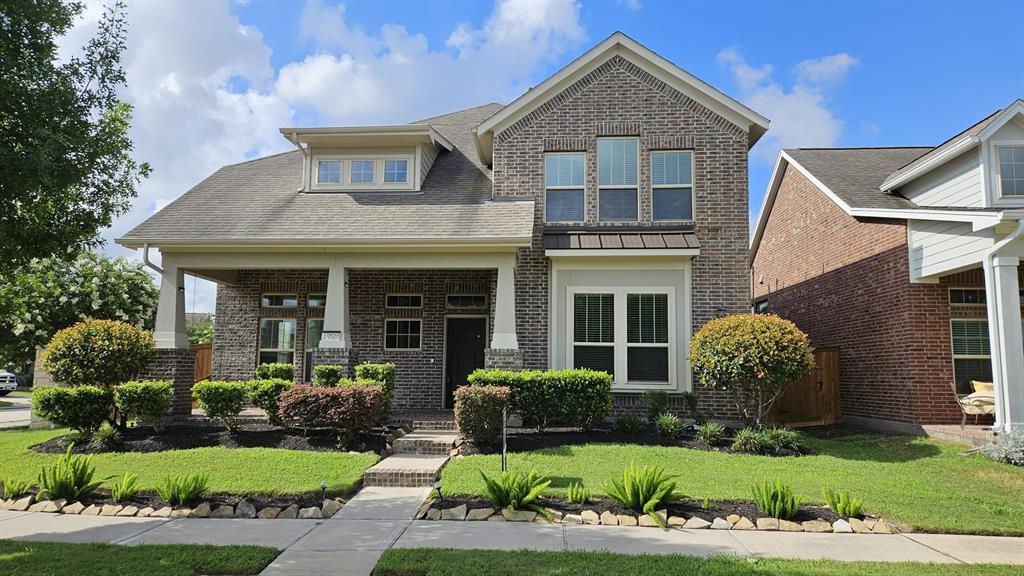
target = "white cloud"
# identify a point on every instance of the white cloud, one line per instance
(800, 116)
(633, 5)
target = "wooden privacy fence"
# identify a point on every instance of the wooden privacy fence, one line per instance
(204, 361)
(813, 401)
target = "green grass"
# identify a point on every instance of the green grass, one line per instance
(20, 394)
(426, 562)
(60, 559)
(232, 471)
(919, 482)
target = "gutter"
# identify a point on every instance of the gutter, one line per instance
(994, 322)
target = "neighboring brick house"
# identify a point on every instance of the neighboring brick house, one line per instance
(598, 220)
(884, 253)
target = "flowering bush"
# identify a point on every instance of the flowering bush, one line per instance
(98, 352)
(478, 412)
(82, 408)
(755, 356)
(221, 400)
(348, 409)
(146, 400)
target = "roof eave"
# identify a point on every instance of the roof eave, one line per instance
(930, 164)
(517, 241)
(322, 135)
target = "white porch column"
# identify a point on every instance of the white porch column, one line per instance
(170, 313)
(504, 336)
(335, 332)
(1011, 341)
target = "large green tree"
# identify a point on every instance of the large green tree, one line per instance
(50, 294)
(66, 168)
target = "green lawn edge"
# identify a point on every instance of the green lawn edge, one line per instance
(22, 558)
(447, 562)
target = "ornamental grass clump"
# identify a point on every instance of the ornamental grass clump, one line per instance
(14, 488)
(669, 425)
(577, 493)
(776, 499)
(514, 490)
(842, 503)
(644, 489)
(125, 488)
(69, 478)
(182, 490)
(753, 356)
(711, 433)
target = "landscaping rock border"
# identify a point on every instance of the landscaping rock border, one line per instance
(244, 509)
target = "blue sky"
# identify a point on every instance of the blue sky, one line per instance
(212, 81)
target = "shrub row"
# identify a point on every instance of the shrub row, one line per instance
(382, 375)
(85, 408)
(578, 398)
(349, 409)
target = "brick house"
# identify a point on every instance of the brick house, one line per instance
(595, 221)
(907, 260)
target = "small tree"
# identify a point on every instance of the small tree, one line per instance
(755, 356)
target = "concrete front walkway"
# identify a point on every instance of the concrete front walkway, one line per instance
(377, 519)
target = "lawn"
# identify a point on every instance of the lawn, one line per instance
(232, 471)
(426, 562)
(919, 482)
(59, 559)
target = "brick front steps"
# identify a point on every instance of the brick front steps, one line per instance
(427, 442)
(420, 455)
(405, 470)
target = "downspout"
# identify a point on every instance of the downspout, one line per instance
(995, 323)
(147, 262)
(305, 159)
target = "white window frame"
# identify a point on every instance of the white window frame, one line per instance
(952, 344)
(997, 168)
(378, 183)
(316, 171)
(621, 382)
(390, 294)
(636, 186)
(582, 186)
(259, 338)
(385, 335)
(691, 186)
(262, 294)
(447, 304)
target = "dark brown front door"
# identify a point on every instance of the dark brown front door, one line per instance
(464, 352)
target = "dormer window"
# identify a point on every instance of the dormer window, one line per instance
(362, 172)
(328, 172)
(1011, 170)
(396, 171)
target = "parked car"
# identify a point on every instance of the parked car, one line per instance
(8, 382)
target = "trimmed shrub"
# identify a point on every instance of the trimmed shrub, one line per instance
(98, 353)
(669, 425)
(145, 400)
(478, 412)
(1008, 448)
(578, 398)
(221, 400)
(81, 408)
(264, 394)
(348, 409)
(754, 356)
(711, 433)
(629, 424)
(328, 374)
(70, 478)
(776, 499)
(385, 375)
(656, 402)
(275, 371)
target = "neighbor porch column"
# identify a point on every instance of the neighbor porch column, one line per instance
(170, 313)
(1011, 341)
(504, 336)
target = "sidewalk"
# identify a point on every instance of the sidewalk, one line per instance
(377, 519)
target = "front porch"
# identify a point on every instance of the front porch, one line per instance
(437, 317)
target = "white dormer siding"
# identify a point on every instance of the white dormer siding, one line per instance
(956, 183)
(1010, 134)
(426, 155)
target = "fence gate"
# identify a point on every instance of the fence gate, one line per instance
(813, 401)
(204, 361)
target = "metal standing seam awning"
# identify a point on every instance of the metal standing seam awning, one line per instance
(624, 242)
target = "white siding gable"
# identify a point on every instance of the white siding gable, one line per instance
(942, 247)
(956, 183)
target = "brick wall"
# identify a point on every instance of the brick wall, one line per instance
(178, 366)
(620, 99)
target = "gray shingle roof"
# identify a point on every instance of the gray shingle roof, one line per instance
(854, 174)
(259, 200)
(968, 133)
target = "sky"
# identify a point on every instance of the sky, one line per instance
(211, 82)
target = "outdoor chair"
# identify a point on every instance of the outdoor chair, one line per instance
(975, 404)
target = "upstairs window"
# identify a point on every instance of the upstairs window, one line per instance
(563, 186)
(672, 185)
(362, 172)
(328, 172)
(1011, 170)
(396, 171)
(618, 174)
(279, 300)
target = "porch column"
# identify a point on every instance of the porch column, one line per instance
(335, 333)
(170, 313)
(1010, 342)
(504, 336)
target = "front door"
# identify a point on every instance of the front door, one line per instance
(464, 352)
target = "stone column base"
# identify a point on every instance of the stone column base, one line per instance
(503, 359)
(177, 365)
(336, 356)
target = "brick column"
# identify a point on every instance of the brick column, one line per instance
(503, 359)
(177, 365)
(337, 356)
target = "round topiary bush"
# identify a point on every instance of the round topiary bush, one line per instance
(98, 353)
(81, 408)
(754, 356)
(147, 400)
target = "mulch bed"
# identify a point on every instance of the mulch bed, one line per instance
(143, 499)
(524, 440)
(249, 435)
(685, 508)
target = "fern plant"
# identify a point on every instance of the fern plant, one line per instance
(514, 490)
(644, 489)
(16, 488)
(125, 488)
(669, 425)
(69, 478)
(776, 499)
(842, 503)
(577, 493)
(184, 490)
